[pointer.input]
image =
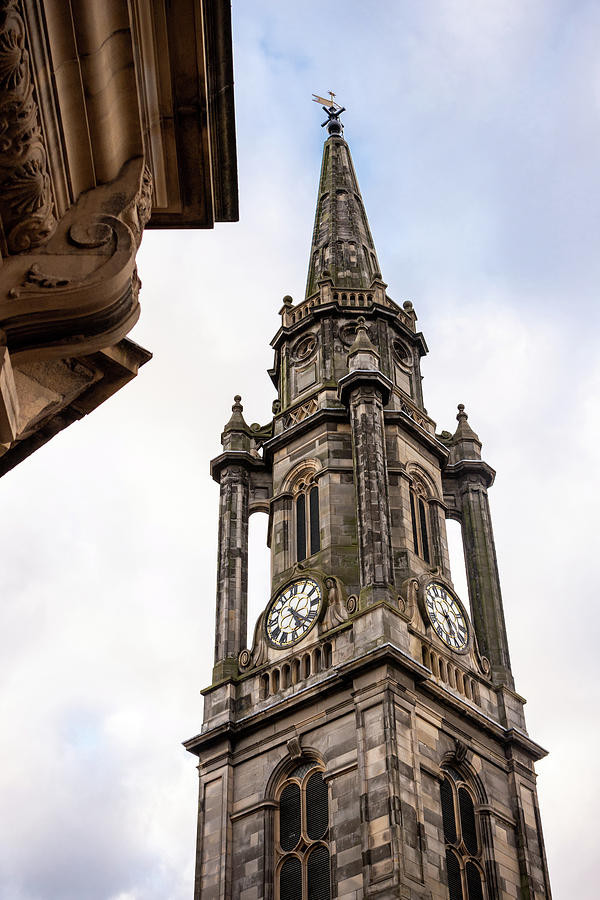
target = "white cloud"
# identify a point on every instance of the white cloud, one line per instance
(477, 157)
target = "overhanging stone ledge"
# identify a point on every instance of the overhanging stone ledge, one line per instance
(235, 458)
(364, 378)
(468, 467)
(341, 675)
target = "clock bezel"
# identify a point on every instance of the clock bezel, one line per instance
(282, 590)
(451, 593)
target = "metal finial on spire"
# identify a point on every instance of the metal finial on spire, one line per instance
(333, 110)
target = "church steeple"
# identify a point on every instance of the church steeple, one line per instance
(342, 247)
(364, 738)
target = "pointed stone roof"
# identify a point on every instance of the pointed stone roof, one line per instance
(342, 247)
(363, 354)
(465, 443)
(464, 432)
(236, 433)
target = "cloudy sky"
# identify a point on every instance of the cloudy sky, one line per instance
(474, 131)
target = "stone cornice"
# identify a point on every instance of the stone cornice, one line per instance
(184, 55)
(466, 467)
(364, 378)
(314, 309)
(340, 675)
(242, 458)
(406, 420)
(329, 412)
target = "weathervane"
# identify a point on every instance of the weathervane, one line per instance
(333, 110)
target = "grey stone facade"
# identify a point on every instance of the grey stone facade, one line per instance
(386, 708)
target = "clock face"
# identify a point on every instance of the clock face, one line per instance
(446, 616)
(292, 613)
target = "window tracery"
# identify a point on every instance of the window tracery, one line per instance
(302, 861)
(462, 839)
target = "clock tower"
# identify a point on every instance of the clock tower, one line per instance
(365, 739)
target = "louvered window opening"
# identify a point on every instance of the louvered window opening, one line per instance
(474, 882)
(455, 891)
(302, 852)
(448, 814)
(318, 880)
(301, 528)
(420, 526)
(317, 807)
(289, 817)
(424, 536)
(467, 820)
(465, 881)
(290, 879)
(308, 528)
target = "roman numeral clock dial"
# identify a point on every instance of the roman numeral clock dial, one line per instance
(446, 616)
(292, 613)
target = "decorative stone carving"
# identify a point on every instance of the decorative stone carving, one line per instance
(337, 611)
(294, 747)
(26, 199)
(352, 604)
(304, 348)
(301, 412)
(257, 655)
(82, 291)
(244, 659)
(413, 413)
(138, 212)
(90, 235)
(34, 278)
(460, 751)
(483, 663)
(408, 598)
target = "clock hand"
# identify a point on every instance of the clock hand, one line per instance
(298, 617)
(450, 625)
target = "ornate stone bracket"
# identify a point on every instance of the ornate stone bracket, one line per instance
(294, 747)
(80, 293)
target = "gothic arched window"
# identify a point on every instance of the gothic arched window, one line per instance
(462, 840)
(308, 531)
(302, 868)
(419, 514)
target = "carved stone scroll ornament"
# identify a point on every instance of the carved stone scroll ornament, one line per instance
(352, 604)
(26, 198)
(250, 659)
(408, 598)
(80, 292)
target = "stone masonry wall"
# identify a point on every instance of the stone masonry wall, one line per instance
(383, 741)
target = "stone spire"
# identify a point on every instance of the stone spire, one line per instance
(465, 443)
(362, 354)
(342, 247)
(236, 434)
